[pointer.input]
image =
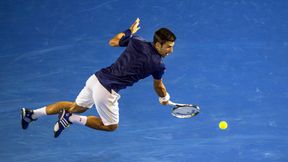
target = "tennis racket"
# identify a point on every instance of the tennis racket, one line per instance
(184, 110)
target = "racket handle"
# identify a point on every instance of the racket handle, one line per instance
(170, 103)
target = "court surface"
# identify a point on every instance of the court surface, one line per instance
(230, 57)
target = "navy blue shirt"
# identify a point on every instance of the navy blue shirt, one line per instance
(138, 61)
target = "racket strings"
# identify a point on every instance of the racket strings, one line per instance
(185, 111)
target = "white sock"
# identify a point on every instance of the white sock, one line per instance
(82, 120)
(39, 112)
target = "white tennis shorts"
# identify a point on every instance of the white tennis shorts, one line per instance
(106, 103)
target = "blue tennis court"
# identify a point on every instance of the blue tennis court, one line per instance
(230, 58)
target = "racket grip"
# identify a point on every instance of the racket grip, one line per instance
(170, 103)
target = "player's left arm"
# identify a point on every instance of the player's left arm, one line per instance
(121, 39)
(161, 91)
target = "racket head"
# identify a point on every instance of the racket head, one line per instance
(185, 111)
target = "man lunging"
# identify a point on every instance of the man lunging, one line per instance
(139, 60)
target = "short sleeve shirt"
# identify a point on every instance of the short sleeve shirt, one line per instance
(139, 60)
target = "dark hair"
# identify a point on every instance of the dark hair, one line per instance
(163, 35)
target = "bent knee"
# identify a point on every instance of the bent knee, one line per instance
(112, 127)
(77, 109)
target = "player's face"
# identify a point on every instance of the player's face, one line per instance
(166, 48)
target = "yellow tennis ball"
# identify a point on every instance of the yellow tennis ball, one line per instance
(223, 125)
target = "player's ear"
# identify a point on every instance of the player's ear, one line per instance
(158, 45)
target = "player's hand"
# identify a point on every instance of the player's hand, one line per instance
(165, 102)
(135, 26)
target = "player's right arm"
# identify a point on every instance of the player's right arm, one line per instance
(160, 89)
(122, 39)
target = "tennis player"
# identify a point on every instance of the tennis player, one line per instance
(139, 60)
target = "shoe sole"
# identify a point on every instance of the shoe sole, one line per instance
(23, 122)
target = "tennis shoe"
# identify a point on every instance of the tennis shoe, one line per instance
(26, 117)
(62, 123)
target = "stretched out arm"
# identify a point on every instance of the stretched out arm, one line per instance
(160, 89)
(122, 39)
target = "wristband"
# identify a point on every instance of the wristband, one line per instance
(125, 39)
(165, 98)
(127, 33)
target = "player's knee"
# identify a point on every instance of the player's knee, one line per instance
(112, 127)
(77, 109)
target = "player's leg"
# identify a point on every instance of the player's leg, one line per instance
(84, 96)
(71, 107)
(66, 118)
(31, 115)
(96, 123)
